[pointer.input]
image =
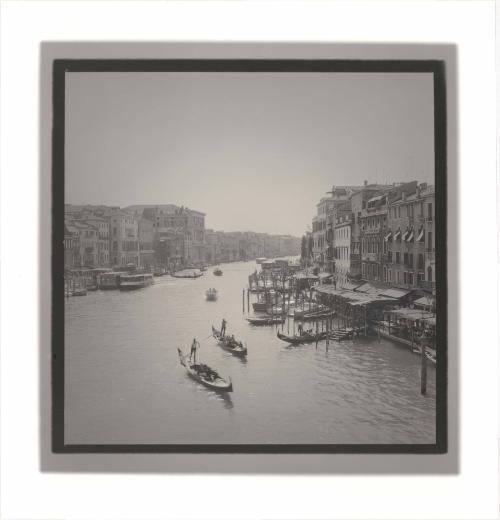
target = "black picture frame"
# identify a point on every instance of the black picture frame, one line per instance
(63, 66)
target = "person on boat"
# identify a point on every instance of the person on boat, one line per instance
(194, 346)
(223, 327)
(301, 329)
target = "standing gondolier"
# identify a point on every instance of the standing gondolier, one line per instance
(194, 346)
(223, 327)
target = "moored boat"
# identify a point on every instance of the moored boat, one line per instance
(129, 282)
(265, 320)
(305, 337)
(188, 273)
(317, 315)
(218, 271)
(211, 295)
(229, 343)
(431, 355)
(204, 374)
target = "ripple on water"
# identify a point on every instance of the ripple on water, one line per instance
(124, 383)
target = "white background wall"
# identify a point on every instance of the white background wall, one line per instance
(28, 493)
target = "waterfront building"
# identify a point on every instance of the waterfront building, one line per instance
(124, 239)
(359, 200)
(169, 219)
(71, 246)
(88, 239)
(373, 231)
(323, 225)
(410, 237)
(102, 226)
(342, 241)
(146, 243)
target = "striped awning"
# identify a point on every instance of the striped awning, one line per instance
(388, 236)
(397, 235)
(409, 238)
(420, 237)
(405, 234)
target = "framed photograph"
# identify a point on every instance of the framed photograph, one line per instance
(249, 256)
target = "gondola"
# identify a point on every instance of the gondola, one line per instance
(205, 375)
(305, 337)
(231, 345)
(317, 315)
(266, 320)
(211, 295)
(187, 273)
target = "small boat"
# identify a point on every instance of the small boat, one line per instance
(260, 260)
(204, 374)
(305, 337)
(317, 315)
(260, 306)
(266, 320)
(159, 271)
(79, 291)
(235, 347)
(211, 295)
(218, 271)
(131, 282)
(431, 355)
(188, 273)
(203, 268)
(297, 313)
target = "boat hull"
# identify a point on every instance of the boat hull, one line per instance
(266, 320)
(226, 345)
(221, 386)
(304, 338)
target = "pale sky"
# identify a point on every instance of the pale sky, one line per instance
(254, 151)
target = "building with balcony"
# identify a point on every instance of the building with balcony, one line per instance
(71, 246)
(170, 220)
(342, 240)
(323, 224)
(373, 224)
(146, 243)
(410, 237)
(124, 239)
(102, 226)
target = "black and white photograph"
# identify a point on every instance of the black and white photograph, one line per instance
(249, 255)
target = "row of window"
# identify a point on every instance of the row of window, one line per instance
(408, 210)
(374, 272)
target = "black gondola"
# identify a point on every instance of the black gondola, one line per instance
(230, 344)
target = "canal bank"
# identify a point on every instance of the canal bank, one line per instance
(124, 383)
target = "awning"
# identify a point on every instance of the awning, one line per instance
(410, 236)
(420, 237)
(425, 301)
(397, 234)
(405, 234)
(395, 293)
(388, 236)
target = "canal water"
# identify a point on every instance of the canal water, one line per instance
(124, 383)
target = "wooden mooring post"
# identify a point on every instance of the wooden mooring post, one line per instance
(423, 370)
(248, 300)
(243, 301)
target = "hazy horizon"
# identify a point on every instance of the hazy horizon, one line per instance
(253, 151)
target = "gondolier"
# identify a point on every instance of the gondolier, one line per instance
(223, 327)
(194, 346)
